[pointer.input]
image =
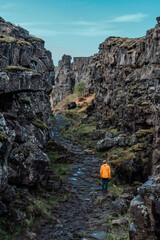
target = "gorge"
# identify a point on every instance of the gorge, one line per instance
(124, 80)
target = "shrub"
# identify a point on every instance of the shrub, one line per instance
(79, 88)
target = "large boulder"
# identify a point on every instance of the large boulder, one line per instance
(145, 211)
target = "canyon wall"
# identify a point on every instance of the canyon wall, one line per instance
(125, 77)
(26, 74)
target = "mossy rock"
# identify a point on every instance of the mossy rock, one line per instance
(37, 39)
(18, 68)
(25, 100)
(145, 103)
(7, 39)
(22, 42)
(98, 65)
(33, 60)
(25, 152)
(143, 132)
(130, 106)
(3, 136)
(39, 124)
(139, 147)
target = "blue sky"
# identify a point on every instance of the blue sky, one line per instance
(77, 27)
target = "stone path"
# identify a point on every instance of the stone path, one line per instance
(79, 217)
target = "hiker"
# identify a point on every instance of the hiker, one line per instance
(105, 173)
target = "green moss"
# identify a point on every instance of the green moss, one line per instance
(130, 106)
(25, 100)
(33, 60)
(25, 152)
(143, 132)
(139, 147)
(22, 42)
(18, 68)
(3, 136)
(79, 88)
(8, 39)
(119, 156)
(42, 207)
(116, 189)
(112, 130)
(145, 103)
(39, 124)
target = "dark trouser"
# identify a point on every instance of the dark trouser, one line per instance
(104, 184)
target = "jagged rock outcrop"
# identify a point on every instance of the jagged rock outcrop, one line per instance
(145, 210)
(26, 77)
(64, 79)
(67, 74)
(80, 68)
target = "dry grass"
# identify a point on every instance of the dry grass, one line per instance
(82, 102)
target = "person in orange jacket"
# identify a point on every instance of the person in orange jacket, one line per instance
(105, 173)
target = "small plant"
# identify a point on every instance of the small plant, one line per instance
(79, 88)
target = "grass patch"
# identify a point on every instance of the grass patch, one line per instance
(60, 162)
(116, 189)
(114, 236)
(118, 232)
(79, 88)
(7, 39)
(22, 42)
(36, 39)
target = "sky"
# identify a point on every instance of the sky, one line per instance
(77, 27)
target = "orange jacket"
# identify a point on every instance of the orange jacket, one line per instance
(105, 171)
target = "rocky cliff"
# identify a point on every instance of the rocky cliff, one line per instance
(67, 74)
(125, 77)
(26, 74)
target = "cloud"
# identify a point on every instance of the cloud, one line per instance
(85, 23)
(28, 24)
(95, 32)
(130, 18)
(8, 6)
(44, 33)
(87, 32)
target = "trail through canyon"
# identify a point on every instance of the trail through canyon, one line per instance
(80, 216)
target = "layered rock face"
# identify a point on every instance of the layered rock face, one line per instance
(64, 79)
(67, 74)
(125, 75)
(26, 74)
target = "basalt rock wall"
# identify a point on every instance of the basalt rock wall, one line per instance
(67, 74)
(125, 77)
(26, 77)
